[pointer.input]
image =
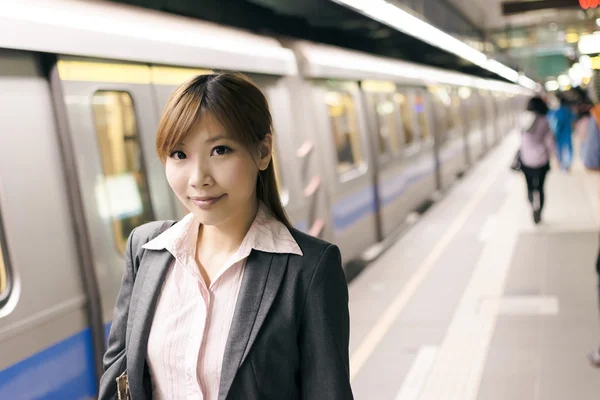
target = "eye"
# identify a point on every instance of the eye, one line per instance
(221, 150)
(178, 155)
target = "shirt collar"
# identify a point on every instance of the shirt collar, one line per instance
(266, 234)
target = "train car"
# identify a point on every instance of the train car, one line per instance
(390, 134)
(359, 143)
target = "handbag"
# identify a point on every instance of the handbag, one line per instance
(123, 387)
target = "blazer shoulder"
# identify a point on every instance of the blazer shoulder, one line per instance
(146, 232)
(312, 248)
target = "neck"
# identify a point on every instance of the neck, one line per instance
(226, 238)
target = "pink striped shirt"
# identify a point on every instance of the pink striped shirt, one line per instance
(191, 322)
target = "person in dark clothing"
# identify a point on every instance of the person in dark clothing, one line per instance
(534, 153)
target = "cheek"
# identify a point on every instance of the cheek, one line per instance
(176, 177)
(238, 175)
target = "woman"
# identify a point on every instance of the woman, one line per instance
(231, 302)
(534, 153)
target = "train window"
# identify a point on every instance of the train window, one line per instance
(344, 127)
(386, 124)
(124, 196)
(420, 110)
(402, 101)
(449, 101)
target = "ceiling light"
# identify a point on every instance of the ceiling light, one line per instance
(589, 44)
(389, 14)
(564, 81)
(571, 37)
(552, 86)
(585, 62)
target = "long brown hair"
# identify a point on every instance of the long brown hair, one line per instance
(239, 106)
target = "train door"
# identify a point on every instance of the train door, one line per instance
(405, 174)
(449, 133)
(45, 341)
(343, 136)
(300, 186)
(427, 122)
(111, 125)
(488, 118)
(475, 137)
(383, 124)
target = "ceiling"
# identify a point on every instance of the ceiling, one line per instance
(321, 21)
(490, 17)
(539, 42)
(542, 42)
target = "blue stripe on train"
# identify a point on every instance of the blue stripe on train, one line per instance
(361, 203)
(62, 371)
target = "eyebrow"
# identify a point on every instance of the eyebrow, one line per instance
(216, 138)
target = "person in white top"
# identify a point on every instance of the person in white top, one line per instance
(231, 302)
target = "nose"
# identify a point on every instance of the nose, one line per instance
(201, 175)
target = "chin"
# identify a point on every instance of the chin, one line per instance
(209, 217)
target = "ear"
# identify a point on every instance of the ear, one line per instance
(266, 152)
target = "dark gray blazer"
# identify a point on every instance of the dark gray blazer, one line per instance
(290, 333)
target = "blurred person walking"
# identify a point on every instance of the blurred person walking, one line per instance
(536, 146)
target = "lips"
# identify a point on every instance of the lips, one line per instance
(205, 202)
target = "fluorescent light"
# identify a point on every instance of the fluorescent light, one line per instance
(401, 20)
(585, 62)
(397, 18)
(576, 74)
(564, 81)
(552, 86)
(589, 44)
(527, 82)
(502, 70)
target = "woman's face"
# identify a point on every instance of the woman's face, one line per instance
(214, 175)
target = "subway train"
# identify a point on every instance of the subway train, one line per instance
(361, 141)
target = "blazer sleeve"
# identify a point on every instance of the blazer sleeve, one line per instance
(114, 359)
(325, 332)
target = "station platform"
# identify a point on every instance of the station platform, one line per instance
(477, 302)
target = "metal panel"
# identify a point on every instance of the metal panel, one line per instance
(324, 61)
(352, 197)
(405, 180)
(289, 165)
(78, 98)
(115, 31)
(36, 217)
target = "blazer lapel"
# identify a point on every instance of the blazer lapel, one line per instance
(150, 279)
(263, 274)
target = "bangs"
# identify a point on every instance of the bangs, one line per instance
(180, 116)
(192, 103)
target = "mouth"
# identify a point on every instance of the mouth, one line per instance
(205, 202)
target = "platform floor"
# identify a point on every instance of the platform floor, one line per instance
(476, 302)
